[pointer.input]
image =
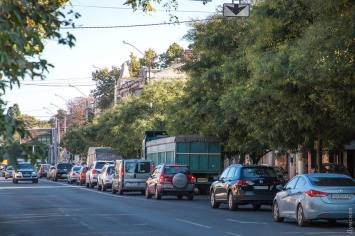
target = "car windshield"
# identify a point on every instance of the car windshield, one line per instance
(258, 172)
(25, 166)
(331, 181)
(176, 169)
(110, 170)
(278, 170)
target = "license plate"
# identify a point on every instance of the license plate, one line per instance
(261, 187)
(131, 184)
(26, 175)
(64, 175)
(341, 196)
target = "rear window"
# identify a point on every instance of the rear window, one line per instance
(76, 168)
(64, 166)
(331, 181)
(110, 170)
(176, 169)
(258, 172)
(25, 166)
(137, 167)
(99, 165)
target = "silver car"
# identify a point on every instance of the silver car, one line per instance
(320, 196)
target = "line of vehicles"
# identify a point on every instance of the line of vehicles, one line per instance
(187, 165)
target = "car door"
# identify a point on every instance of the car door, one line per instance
(152, 180)
(219, 186)
(285, 197)
(296, 194)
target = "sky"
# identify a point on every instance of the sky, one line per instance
(101, 47)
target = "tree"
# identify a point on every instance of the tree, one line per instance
(134, 65)
(24, 26)
(174, 53)
(105, 84)
(150, 59)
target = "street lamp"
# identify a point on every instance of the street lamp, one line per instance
(86, 102)
(150, 60)
(71, 108)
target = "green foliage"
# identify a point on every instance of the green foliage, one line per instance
(134, 65)
(173, 54)
(24, 27)
(105, 81)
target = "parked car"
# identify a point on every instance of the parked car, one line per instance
(131, 175)
(243, 185)
(8, 172)
(104, 179)
(73, 174)
(24, 172)
(43, 170)
(281, 174)
(81, 175)
(60, 171)
(50, 172)
(318, 196)
(171, 179)
(334, 169)
(93, 172)
(2, 169)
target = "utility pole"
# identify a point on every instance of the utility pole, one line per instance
(70, 110)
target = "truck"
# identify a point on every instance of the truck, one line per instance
(102, 154)
(203, 155)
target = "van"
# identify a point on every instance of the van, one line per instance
(130, 175)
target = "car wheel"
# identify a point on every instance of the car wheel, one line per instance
(120, 191)
(55, 179)
(87, 184)
(77, 182)
(179, 197)
(190, 197)
(300, 217)
(147, 194)
(157, 195)
(276, 213)
(231, 204)
(213, 202)
(16, 181)
(256, 206)
(104, 188)
(114, 191)
(5, 177)
(99, 187)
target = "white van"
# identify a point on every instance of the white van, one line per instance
(130, 175)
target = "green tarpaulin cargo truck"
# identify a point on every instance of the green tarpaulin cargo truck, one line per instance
(201, 154)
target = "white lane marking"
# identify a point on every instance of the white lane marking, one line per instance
(230, 233)
(189, 222)
(247, 222)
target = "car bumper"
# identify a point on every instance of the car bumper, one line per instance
(319, 210)
(169, 189)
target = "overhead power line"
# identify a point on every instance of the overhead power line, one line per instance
(131, 26)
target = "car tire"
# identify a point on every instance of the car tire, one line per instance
(99, 187)
(190, 197)
(104, 188)
(256, 206)
(55, 179)
(179, 180)
(87, 185)
(147, 194)
(114, 191)
(276, 212)
(77, 182)
(213, 202)
(16, 181)
(300, 217)
(232, 206)
(179, 197)
(120, 191)
(35, 181)
(157, 195)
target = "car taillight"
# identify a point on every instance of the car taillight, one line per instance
(122, 171)
(277, 182)
(161, 179)
(74, 174)
(242, 182)
(106, 174)
(94, 171)
(152, 168)
(41, 170)
(192, 179)
(315, 193)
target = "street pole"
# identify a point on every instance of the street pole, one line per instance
(150, 60)
(56, 136)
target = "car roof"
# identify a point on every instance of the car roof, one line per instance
(324, 175)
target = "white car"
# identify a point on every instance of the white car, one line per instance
(104, 180)
(24, 172)
(93, 172)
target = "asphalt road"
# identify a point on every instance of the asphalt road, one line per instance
(57, 208)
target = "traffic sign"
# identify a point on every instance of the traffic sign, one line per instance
(236, 10)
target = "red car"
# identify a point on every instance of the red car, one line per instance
(81, 176)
